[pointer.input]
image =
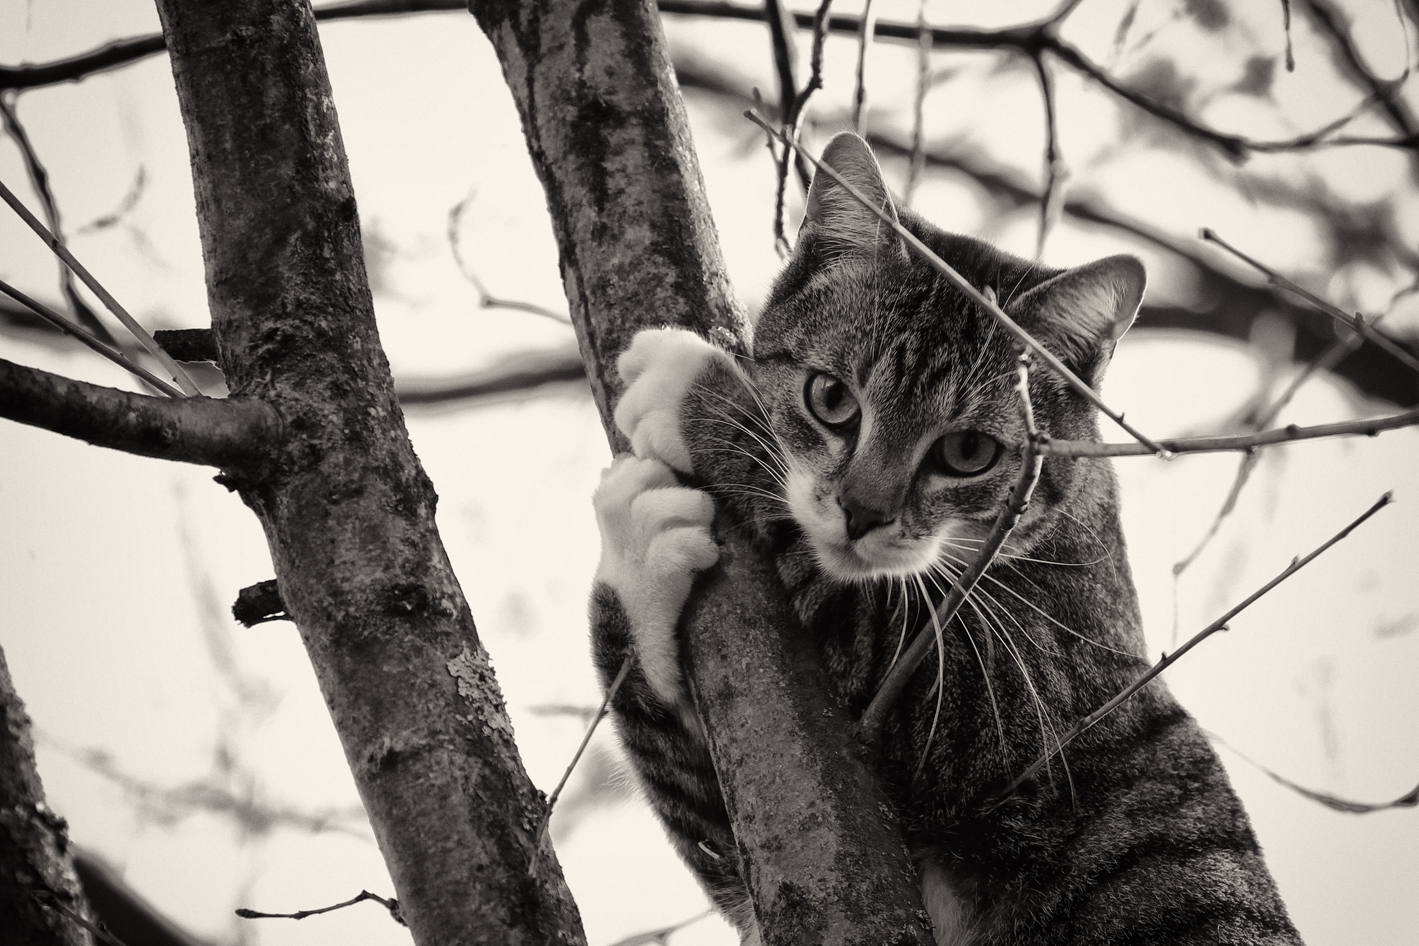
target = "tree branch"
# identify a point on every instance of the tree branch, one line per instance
(1027, 40)
(40, 896)
(519, 372)
(612, 149)
(124, 51)
(347, 510)
(1328, 17)
(236, 434)
(1351, 428)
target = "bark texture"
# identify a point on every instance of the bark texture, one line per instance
(35, 861)
(347, 510)
(225, 433)
(608, 137)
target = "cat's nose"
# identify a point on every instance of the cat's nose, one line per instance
(861, 519)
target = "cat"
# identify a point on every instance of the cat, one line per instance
(870, 441)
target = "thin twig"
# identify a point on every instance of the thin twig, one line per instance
(1325, 361)
(515, 373)
(1056, 171)
(974, 294)
(819, 26)
(1355, 322)
(781, 27)
(1088, 722)
(661, 935)
(46, 899)
(1347, 55)
(57, 246)
(83, 335)
(486, 299)
(875, 717)
(1286, 28)
(866, 28)
(390, 904)
(39, 183)
(1409, 799)
(585, 740)
(1351, 428)
(923, 83)
(792, 112)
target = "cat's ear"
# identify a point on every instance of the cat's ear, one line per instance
(836, 224)
(1081, 313)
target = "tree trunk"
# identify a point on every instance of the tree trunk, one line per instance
(347, 510)
(37, 876)
(608, 136)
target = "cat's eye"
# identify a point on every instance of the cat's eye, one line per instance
(829, 400)
(965, 453)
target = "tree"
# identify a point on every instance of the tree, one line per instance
(268, 326)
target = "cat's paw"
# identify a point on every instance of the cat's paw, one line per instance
(659, 368)
(655, 537)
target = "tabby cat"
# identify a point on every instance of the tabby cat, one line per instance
(869, 441)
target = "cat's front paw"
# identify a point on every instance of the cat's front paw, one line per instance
(659, 368)
(655, 537)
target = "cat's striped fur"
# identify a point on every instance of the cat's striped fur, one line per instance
(1133, 835)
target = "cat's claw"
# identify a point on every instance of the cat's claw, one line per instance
(655, 537)
(659, 368)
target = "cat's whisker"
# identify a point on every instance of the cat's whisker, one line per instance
(906, 615)
(775, 450)
(984, 670)
(1009, 556)
(772, 453)
(779, 478)
(940, 680)
(1041, 711)
(1105, 550)
(1041, 612)
(984, 612)
(989, 686)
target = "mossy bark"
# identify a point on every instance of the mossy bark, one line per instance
(608, 136)
(347, 510)
(36, 866)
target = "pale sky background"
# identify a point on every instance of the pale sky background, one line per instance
(116, 573)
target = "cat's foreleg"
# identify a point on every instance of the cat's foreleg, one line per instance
(661, 368)
(655, 538)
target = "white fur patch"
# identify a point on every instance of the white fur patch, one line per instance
(950, 922)
(881, 553)
(659, 368)
(655, 536)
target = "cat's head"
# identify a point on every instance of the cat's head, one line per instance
(892, 396)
